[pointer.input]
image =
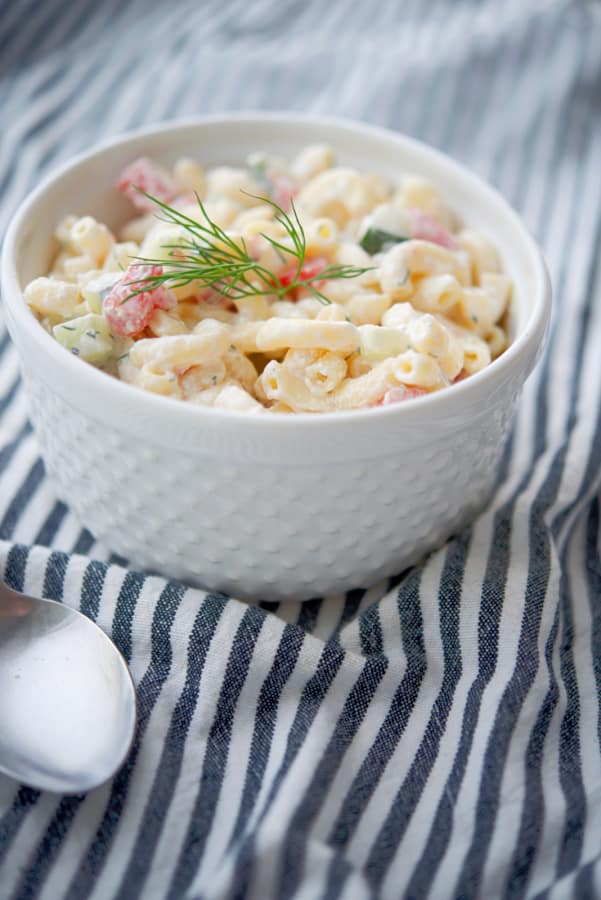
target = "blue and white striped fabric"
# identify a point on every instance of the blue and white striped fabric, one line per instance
(435, 737)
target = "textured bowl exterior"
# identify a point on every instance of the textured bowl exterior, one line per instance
(264, 507)
(248, 529)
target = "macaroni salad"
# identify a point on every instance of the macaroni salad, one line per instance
(281, 286)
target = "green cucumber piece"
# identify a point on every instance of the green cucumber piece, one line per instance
(97, 288)
(86, 336)
(375, 240)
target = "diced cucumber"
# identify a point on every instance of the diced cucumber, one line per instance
(97, 288)
(380, 341)
(375, 240)
(86, 336)
(386, 225)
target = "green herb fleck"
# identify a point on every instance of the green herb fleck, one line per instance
(376, 239)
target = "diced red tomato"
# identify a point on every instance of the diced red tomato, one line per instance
(460, 377)
(310, 269)
(144, 175)
(128, 316)
(400, 394)
(425, 228)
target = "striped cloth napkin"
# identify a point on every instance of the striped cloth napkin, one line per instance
(433, 737)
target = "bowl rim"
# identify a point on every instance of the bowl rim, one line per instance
(523, 348)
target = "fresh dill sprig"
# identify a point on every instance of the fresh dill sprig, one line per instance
(210, 258)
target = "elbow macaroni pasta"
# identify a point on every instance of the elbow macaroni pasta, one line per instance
(428, 307)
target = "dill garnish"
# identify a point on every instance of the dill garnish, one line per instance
(210, 258)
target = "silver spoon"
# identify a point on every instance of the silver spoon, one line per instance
(67, 701)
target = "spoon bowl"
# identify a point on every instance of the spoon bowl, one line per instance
(67, 701)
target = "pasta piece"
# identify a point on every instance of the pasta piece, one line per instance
(235, 398)
(417, 369)
(482, 254)
(333, 312)
(496, 338)
(278, 334)
(232, 184)
(206, 397)
(417, 192)
(162, 323)
(281, 384)
(192, 312)
(357, 365)
(451, 362)
(91, 239)
(338, 291)
(350, 254)
(209, 341)
(322, 237)
(188, 176)
(325, 374)
(399, 314)
(380, 342)
(156, 380)
(427, 335)
(57, 270)
(312, 161)
(340, 194)
(243, 337)
(280, 408)
(436, 293)
(367, 308)
(476, 355)
(120, 256)
(53, 298)
(310, 307)
(286, 309)
(254, 308)
(321, 371)
(77, 265)
(259, 218)
(162, 241)
(221, 211)
(416, 259)
(63, 231)
(199, 378)
(431, 334)
(474, 311)
(136, 229)
(476, 352)
(498, 291)
(240, 368)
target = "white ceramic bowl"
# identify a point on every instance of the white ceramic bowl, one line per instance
(268, 507)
